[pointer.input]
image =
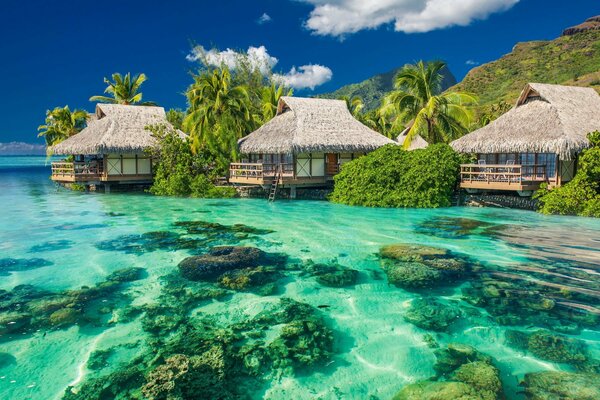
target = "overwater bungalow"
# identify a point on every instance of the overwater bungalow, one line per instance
(304, 145)
(111, 149)
(536, 142)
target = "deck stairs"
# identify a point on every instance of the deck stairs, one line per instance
(275, 184)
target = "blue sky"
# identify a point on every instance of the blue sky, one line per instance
(57, 52)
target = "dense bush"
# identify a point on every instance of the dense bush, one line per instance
(581, 196)
(180, 172)
(393, 177)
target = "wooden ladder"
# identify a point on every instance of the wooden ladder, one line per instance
(273, 192)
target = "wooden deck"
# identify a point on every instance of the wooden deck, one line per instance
(92, 173)
(264, 175)
(526, 177)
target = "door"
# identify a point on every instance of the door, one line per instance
(331, 164)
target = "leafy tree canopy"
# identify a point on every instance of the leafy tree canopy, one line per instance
(581, 196)
(181, 172)
(62, 123)
(394, 177)
(124, 90)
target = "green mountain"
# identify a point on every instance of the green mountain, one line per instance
(374, 89)
(571, 59)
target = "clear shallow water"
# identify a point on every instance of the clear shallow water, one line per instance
(376, 352)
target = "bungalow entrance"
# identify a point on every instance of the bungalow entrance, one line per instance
(515, 171)
(303, 145)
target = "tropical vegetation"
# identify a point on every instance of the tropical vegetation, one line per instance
(394, 177)
(124, 90)
(373, 90)
(180, 171)
(581, 196)
(419, 103)
(568, 60)
(61, 123)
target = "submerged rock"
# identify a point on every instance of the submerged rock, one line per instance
(249, 278)
(418, 267)
(333, 275)
(455, 228)
(183, 377)
(26, 308)
(52, 245)
(149, 242)
(220, 260)
(555, 385)
(8, 265)
(552, 347)
(127, 275)
(465, 374)
(455, 355)
(301, 343)
(7, 360)
(428, 313)
(430, 390)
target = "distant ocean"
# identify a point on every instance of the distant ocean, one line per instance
(15, 163)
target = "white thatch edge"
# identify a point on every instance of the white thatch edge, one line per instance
(417, 142)
(305, 125)
(546, 119)
(117, 129)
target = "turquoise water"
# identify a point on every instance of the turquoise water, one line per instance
(375, 350)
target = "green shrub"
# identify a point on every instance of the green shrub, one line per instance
(393, 177)
(181, 172)
(581, 196)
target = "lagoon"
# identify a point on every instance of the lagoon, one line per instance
(71, 240)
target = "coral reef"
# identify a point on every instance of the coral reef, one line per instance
(26, 308)
(554, 385)
(418, 267)
(333, 274)
(527, 301)
(428, 313)
(553, 347)
(465, 374)
(220, 260)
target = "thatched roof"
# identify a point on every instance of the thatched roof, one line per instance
(546, 119)
(305, 125)
(116, 129)
(417, 143)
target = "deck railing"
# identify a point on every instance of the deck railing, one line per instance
(503, 173)
(259, 170)
(64, 169)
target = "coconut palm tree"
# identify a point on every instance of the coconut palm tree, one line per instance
(218, 114)
(62, 123)
(437, 117)
(355, 105)
(124, 90)
(270, 96)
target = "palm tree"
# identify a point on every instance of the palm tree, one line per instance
(270, 99)
(124, 90)
(355, 105)
(62, 123)
(218, 114)
(437, 117)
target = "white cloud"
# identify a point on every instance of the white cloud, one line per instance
(21, 148)
(305, 77)
(263, 19)
(258, 57)
(472, 62)
(341, 17)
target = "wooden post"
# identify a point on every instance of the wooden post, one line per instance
(136, 164)
(121, 159)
